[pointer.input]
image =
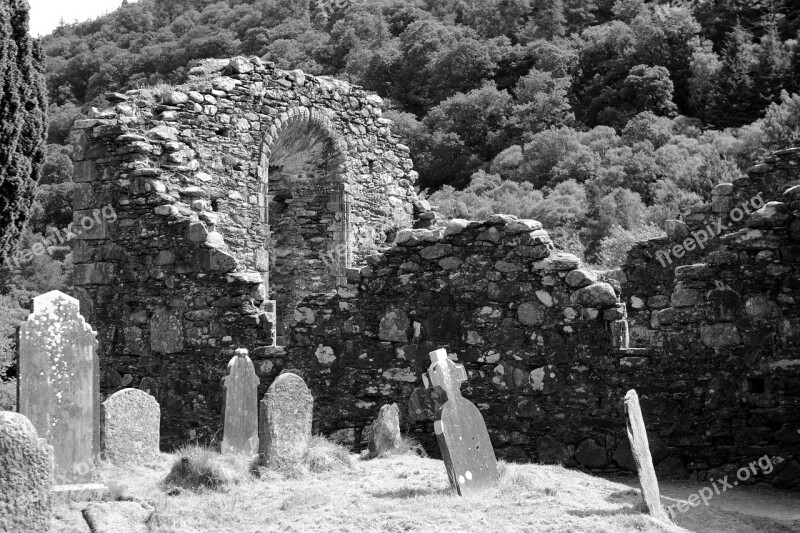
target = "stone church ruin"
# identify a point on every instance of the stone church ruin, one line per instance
(275, 211)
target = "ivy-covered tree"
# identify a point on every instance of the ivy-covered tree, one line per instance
(22, 120)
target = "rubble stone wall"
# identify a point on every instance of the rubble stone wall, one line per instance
(275, 211)
(192, 197)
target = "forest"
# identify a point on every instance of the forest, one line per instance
(600, 118)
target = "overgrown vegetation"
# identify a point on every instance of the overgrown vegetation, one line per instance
(196, 468)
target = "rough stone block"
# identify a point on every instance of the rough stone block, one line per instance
(117, 517)
(383, 435)
(166, 331)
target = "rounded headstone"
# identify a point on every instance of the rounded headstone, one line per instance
(131, 427)
(285, 420)
(26, 476)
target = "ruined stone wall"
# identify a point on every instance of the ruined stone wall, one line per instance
(252, 185)
(245, 173)
(715, 357)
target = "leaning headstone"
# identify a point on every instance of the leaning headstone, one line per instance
(26, 476)
(637, 435)
(460, 430)
(285, 423)
(131, 421)
(240, 434)
(58, 383)
(383, 436)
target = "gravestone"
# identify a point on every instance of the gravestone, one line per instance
(383, 435)
(58, 383)
(640, 447)
(460, 430)
(240, 434)
(285, 420)
(131, 421)
(26, 476)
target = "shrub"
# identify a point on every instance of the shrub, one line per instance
(196, 468)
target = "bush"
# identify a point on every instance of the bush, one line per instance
(197, 468)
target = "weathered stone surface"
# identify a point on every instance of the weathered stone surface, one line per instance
(58, 388)
(720, 335)
(460, 429)
(26, 476)
(772, 215)
(547, 380)
(240, 434)
(285, 420)
(531, 313)
(551, 451)
(131, 421)
(596, 295)
(558, 261)
(383, 435)
(394, 326)
(640, 448)
(166, 331)
(591, 454)
(117, 517)
(676, 230)
(581, 278)
(763, 307)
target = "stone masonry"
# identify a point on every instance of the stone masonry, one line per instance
(275, 211)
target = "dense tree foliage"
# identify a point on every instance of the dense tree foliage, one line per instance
(22, 120)
(593, 115)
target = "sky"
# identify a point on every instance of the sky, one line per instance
(45, 14)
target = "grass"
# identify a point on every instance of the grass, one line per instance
(197, 468)
(333, 492)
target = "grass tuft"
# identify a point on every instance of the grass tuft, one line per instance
(324, 455)
(197, 468)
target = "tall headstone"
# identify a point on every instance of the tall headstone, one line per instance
(26, 476)
(131, 422)
(240, 434)
(285, 420)
(383, 435)
(640, 447)
(59, 383)
(460, 430)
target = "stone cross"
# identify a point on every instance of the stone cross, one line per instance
(460, 429)
(383, 435)
(640, 447)
(131, 422)
(26, 476)
(59, 383)
(285, 423)
(240, 434)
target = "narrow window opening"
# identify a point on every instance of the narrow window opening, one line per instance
(755, 385)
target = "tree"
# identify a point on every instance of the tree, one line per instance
(22, 120)
(542, 101)
(649, 89)
(735, 101)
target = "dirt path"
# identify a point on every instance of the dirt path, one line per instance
(757, 508)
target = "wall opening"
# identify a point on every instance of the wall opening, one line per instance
(755, 385)
(308, 220)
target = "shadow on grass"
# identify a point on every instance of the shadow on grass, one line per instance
(584, 513)
(408, 493)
